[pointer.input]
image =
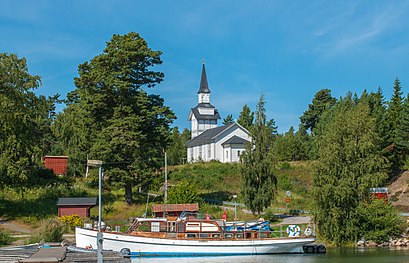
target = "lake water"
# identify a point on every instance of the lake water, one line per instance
(334, 255)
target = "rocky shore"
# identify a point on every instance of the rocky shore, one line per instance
(400, 242)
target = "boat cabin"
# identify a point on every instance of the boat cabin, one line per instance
(173, 209)
(191, 226)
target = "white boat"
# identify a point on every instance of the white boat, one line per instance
(191, 237)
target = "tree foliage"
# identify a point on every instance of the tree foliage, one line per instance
(320, 103)
(111, 117)
(402, 133)
(246, 117)
(378, 220)
(259, 184)
(25, 120)
(184, 192)
(176, 151)
(349, 164)
(228, 120)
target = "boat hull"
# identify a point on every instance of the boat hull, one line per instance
(145, 246)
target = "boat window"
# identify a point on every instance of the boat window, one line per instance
(204, 235)
(191, 236)
(215, 235)
(228, 236)
(239, 235)
(171, 226)
(155, 226)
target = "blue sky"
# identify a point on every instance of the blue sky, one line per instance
(287, 50)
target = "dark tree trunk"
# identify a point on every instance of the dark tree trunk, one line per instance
(128, 193)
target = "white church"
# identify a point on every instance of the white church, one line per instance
(209, 141)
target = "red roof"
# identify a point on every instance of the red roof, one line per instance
(175, 207)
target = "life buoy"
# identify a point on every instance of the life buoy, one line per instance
(293, 231)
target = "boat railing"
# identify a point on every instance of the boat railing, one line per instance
(256, 230)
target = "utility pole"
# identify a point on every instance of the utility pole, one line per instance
(166, 186)
(100, 240)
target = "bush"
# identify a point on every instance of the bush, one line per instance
(284, 182)
(379, 221)
(5, 238)
(50, 230)
(72, 220)
(269, 215)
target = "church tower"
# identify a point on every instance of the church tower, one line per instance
(204, 116)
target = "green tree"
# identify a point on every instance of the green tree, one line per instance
(395, 107)
(379, 221)
(349, 164)
(228, 120)
(259, 184)
(246, 117)
(176, 151)
(124, 126)
(184, 193)
(25, 118)
(72, 128)
(402, 133)
(320, 103)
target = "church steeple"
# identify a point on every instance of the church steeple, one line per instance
(204, 87)
(203, 95)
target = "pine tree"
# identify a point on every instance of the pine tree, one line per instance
(394, 114)
(228, 120)
(321, 102)
(395, 108)
(128, 128)
(402, 133)
(259, 183)
(246, 117)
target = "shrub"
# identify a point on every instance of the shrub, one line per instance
(284, 182)
(50, 230)
(5, 238)
(72, 220)
(379, 221)
(285, 166)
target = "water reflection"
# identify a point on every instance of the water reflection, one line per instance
(349, 255)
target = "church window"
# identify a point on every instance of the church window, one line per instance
(200, 152)
(209, 151)
(227, 154)
(238, 153)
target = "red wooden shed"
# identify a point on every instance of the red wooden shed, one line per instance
(76, 206)
(173, 209)
(56, 163)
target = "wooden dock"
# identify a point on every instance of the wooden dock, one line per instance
(31, 254)
(52, 254)
(109, 256)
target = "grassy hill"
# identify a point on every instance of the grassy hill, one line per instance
(221, 181)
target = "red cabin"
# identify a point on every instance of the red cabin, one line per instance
(56, 163)
(79, 206)
(379, 193)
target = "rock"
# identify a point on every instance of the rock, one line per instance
(360, 243)
(371, 244)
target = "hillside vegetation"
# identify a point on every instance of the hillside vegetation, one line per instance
(220, 181)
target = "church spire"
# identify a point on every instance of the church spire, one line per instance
(204, 87)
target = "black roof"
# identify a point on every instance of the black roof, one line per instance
(207, 136)
(198, 116)
(235, 140)
(204, 87)
(77, 201)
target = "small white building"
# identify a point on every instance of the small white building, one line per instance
(210, 142)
